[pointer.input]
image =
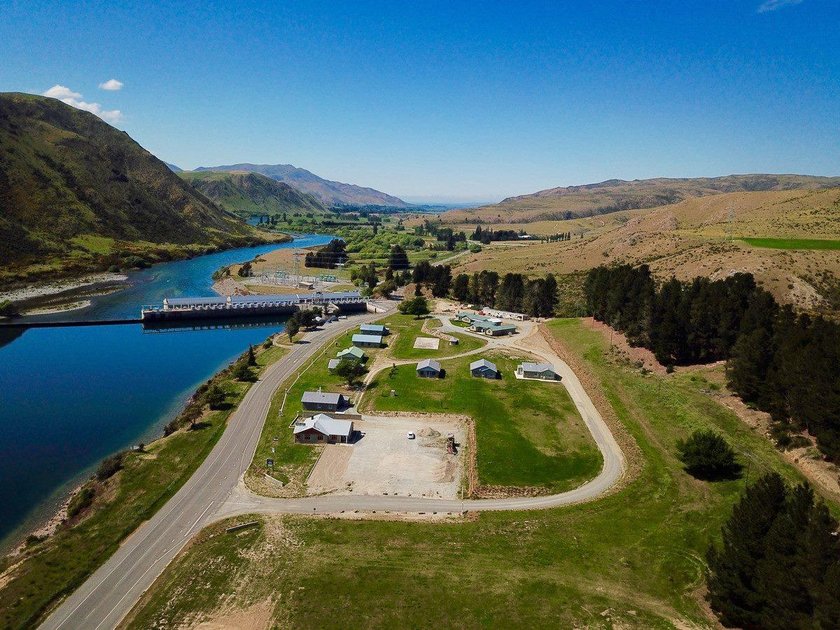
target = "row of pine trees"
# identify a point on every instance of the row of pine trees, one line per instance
(782, 362)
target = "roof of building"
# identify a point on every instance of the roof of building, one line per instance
(326, 425)
(333, 363)
(471, 316)
(373, 328)
(537, 367)
(483, 363)
(195, 301)
(367, 339)
(488, 325)
(286, 299)
(429, 364)
(352, 351)
(321, 398)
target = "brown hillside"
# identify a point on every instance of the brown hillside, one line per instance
(692, 238)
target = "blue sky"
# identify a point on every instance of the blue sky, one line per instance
(448, 100)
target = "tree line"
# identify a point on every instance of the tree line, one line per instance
(489, 235)
(779, 562)
(329, 256)
(782, 362)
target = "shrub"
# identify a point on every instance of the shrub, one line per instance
(81, 501)
(708, 456)
(215, 397)
(7, 309)
(110, 466)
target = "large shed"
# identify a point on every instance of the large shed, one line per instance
(367, 341)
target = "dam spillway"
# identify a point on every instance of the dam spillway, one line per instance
(220, 307)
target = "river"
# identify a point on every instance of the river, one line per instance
(71, 396)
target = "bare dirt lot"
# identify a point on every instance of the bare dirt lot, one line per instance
(426, 343)
(384, 460)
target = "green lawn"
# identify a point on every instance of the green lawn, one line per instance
(793, 243)
(57, 566)
(632, 559)
(529, 433)
(404, 331)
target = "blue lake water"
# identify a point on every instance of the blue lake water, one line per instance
(70, 396)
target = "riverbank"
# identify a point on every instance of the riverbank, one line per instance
(62, 293)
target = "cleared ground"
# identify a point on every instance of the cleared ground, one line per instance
(384, 460)
(426, 343)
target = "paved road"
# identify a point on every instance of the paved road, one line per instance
(216, 491)
(107, 596)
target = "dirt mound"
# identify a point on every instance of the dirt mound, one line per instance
(428, 432)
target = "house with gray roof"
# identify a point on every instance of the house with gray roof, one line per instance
(333, 363)
(323, 428)
(322, 401)
(542, 371)
(484, 369)
(357, 354)
(492, 329)
(367, 341)
(429, 368)
(373, 329)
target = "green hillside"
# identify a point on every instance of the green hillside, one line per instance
(77, 195)
(249, 194)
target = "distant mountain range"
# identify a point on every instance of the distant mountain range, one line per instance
(615, 195)
(329, 193)
(249, 194)
(75, 192)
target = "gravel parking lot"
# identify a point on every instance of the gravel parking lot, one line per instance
(384, 460)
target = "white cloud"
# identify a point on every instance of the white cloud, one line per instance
(112, 85)
(774, 5)
(61, 92)
(74, 99)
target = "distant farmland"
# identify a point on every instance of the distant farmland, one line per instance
(793, 243)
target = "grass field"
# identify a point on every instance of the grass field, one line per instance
(793, 243)
(57, 566)
(528, 433)
(406, 329)
(632, 559)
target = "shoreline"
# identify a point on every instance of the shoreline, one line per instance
(56, 287)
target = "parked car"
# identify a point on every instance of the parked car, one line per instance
(410, 435)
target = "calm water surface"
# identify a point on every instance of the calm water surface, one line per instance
(71, 396)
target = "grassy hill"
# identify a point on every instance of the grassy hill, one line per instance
(77, 194)
(615, 195)
(248, 194)
(786, 239)
(328, 192)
